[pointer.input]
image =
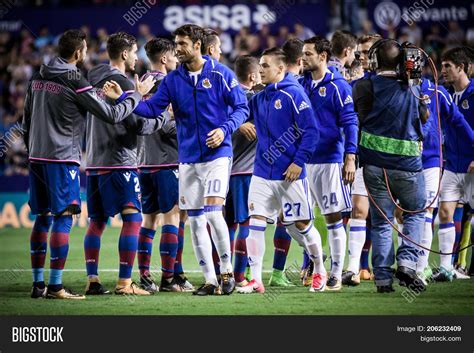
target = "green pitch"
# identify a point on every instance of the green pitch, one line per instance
(15, 281)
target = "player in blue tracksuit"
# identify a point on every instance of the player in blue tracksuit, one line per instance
(359, 242)
(286, 132)
(458, 176)
(451, 120)
(208, 105)
(331, 98)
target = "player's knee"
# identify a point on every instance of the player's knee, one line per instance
(183, 216)
(197, 219)
(302, 225)
(445, 215)
(359, 213)
(214, 200)
(149, 220)
(333, 217)
(172, 217)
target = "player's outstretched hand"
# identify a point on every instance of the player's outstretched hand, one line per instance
(215, 138)
(292, 173)
(249, 131)
(112, 89)
(470, 169)
(145, 86)
(348, 169)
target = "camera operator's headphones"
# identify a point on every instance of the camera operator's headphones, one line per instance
(374, 55)
(411, 59)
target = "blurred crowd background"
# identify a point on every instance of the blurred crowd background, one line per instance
(22, 52)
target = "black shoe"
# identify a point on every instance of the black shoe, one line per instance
(333, 284)
(170, 285)
(349, 278)
(207, 289)
(147, 283)
(184, 283)
(408, 278)
(37, 292)
(227, 283)
(96, 288)
(385, 289)
(440, 274)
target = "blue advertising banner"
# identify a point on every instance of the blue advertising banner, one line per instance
(425, 13)
(162, 19)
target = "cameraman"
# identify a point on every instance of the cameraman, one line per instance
(391, 138)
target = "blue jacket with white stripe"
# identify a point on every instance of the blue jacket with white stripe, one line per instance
(286, 128)
(216, 101)
(460, 150)
(334, 110)
(452, 121)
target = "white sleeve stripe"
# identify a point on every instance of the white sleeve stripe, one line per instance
(292, 101)
(223, 79)
(445, 98)
(338, 94)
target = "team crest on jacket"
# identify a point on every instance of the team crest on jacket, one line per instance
(278, 104)
(465, 104)
(206, 83)
(322, 91)
(426, 99)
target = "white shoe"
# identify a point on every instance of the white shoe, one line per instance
(459, 275)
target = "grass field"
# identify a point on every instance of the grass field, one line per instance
(440, 299)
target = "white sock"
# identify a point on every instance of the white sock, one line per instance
(202, 246)
(220, 235)
(400, 239)
(337, 246)
(256, 247)
(310, 240)
(446, 238)
(357, 230)
(425, 241)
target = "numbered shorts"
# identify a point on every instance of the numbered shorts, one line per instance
(200, 180)
(160, 190)
(328, 189)
(457, 186)
(432, 184)
(54, 187)
(358, 186)
(108, 194)
(268, 197)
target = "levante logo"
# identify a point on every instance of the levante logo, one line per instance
(388, 14)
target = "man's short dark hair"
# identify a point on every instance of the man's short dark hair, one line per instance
(118, 42)
(368, 38)
(458, 56)
(275, 52)
(71, 41)
(245, 65)
(194, 32)
(341, 40)
(157, 47)
(321, 45)
(293, 49)
(388, 54)
(209, 38)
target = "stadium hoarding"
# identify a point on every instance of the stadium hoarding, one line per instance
(162, 19)
(425, 13)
